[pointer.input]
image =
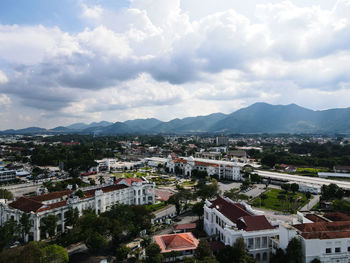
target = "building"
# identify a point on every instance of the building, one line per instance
(221, 140)
(100, 198)
(323, 237)
(226, 221)
(223, 169)
(7, 175)
(184, 244)
(182, 228)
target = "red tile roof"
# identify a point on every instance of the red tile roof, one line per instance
(205, 164)
(185, 226)
(180, 160)
(324, 230)
(129, 181)
(26, 205)
(106, 189)
(254, 223)
(50, 196)
(176, 242)
(52, 206)
(233, 211)
(315, 218)
(337, 216)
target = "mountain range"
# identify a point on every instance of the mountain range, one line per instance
(255, 119)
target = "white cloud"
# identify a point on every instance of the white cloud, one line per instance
(171, 54)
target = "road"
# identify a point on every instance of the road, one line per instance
(303, 179)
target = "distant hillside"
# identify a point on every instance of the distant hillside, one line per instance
(257, 118)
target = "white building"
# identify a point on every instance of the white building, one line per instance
(327, 241)
(224, 169)
(227, 221)
(7, 175)
(100, 198)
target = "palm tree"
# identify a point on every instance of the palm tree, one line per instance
(25, 225)
(101, 179)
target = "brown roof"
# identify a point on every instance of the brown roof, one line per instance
(50, 196)
(233, 211)
(315, 218)
(52, 206)
(176, 242)
(106, 189)
(205, 164)
(324, 230)
(185, 226)
(254, 223)
(26, 205)
(180, 160)
(337, 216)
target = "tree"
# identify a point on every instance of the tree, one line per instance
(5, 194)
(294, 187)
(122, 253)
(278, 257)
(207, 191)
(153, 254)
(263, 197)
(79, 193)
(308, 195)
(198, 209)
(209, 260)
(55, 254)
(71, 216)
(285, 187)
(294, 251)
(9, 232)
(226, 255)
(92, 181)
(203, 250)
(49, 224)
(25, 224)
(146, 240)
(101, 179)
(96, 242)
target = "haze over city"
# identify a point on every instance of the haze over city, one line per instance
(81, 61)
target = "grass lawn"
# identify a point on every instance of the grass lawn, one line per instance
(188, 183)
(272, 202)
(155, 207)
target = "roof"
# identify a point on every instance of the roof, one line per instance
(106, 189)
(185, 226)
(129, 181)
(205, 164)
(254, 223)
(233, 211)
(337, 216)
(26, 205)
(324, 230)
(315, 218)
(180, 160)
(50, 196)
(176, 242)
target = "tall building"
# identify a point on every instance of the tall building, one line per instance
(221, 140)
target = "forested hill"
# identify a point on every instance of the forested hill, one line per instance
(255, 119)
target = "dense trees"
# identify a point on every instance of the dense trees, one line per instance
(331, 191)
(293, 253)
(35, 252)
(48, 225)
(5, 194)
(235, 254)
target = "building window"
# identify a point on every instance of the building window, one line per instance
(328, 250)
(337, 250)
(264, 242)
(257, 256)
(257, 242)
(348, 249)
(250, 243)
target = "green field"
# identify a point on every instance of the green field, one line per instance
(273, 201)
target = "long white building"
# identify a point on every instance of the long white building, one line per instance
(321, 238)
(100, 198)
(227, 221)
(224, 169)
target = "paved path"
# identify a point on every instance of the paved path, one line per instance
(315, 199)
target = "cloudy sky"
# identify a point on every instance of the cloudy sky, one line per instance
(66, 61)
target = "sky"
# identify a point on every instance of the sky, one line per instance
(68, 61)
